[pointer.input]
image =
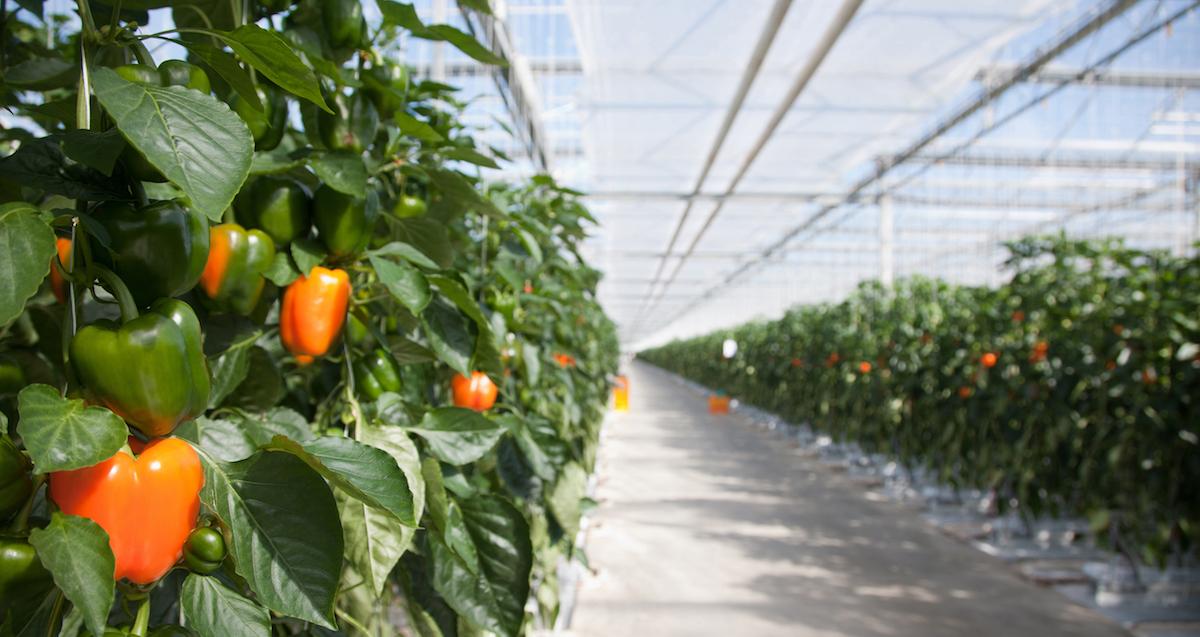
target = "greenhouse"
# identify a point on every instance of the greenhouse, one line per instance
(839, 318)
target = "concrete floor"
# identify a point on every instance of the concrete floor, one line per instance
(707, 526)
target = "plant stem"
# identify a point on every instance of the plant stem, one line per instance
(142, 621)
(21, 523)
(55, 615)
(142, 53)
(129, 310)
(85, 16)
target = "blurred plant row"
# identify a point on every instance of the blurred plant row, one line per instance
(274, 358)
(1070, 391)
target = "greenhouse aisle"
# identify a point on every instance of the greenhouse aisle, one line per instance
(707, 526)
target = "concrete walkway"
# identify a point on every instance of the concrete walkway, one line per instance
(707, 526)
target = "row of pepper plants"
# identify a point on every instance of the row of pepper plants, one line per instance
(275, 360)
(1069, 391)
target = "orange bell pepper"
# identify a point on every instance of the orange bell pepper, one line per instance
(477, 392)
(57, 283)
(313, 312)
(148, 505)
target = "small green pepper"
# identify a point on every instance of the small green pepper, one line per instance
(204, 550)
(377, 373)
(352, 124)
(12, 377)
(386, 85)
(409, 206)
(268, 125)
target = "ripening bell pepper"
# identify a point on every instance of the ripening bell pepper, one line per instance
(313, 311)
(159, 250)
(148, 505)
(57, 283)
(477, 393)
(15, 484)
(23, 577)
(236, 260)
(268, 125)
(344, 223)
(377, 373)
(150, 370)
(278, 207)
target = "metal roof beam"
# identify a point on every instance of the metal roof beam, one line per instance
(1132, 78)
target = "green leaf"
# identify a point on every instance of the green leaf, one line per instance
(272, 56)
(365, 473)
(279, 160)
(429, 236)
(375, 541)
(343, 171)
(281, 271)
(213, 610)
(307, 253)
(406, 252)
(226, 66)
(448, 336)
(97, 150)
(75, 550)
(229, 369)
(458, 436)
(197, 142)
(458, 294)
(404, 15)
(459, 190)
(287, 539)
(221, 438)
(493, 594)
(405, 283)
(414, 127)
(42, 74)
(26, 248)
(408, 352)
(62, 434)
(470, 155)
(41, 164)
(565, 498)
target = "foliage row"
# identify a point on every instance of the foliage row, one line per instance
(1071, 390)
(337, 466)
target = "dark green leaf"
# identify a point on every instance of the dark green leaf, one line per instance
(41, 164)
(307, 254)
(406, 252)
(212, 610)
(405, 282)
(26, 248)
(282, 270)
(75, 550)
(97, 150)
(42, 74)
(271, 55)
(197, 142)
(458, 436)
(226, 66)
(343, 171)
(62, 434)
(448, 336)
(470, 155)
(429, 236)
(222, 438)
(287, 539)
(414, 127)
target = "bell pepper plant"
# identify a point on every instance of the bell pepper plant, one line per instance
(229, 213)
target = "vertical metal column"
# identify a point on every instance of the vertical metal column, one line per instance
(438, 70)
(887, 241)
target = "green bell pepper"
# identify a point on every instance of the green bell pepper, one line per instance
(159, 250)
(344, 223)
(15, 483)
(23, 577)
(150, 370)
(344, 23)
(180, 73)
(377, 373)
(386, 85)
(237, 259)
(268, 125)
(352, 124)
(279, 207)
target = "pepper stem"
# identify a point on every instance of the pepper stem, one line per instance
(129, 310)
(142, 622)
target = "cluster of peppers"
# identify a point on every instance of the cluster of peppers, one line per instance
(158, 251)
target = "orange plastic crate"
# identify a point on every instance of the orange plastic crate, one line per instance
(718, 404)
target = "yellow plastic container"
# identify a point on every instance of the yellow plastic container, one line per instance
(621, 394)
